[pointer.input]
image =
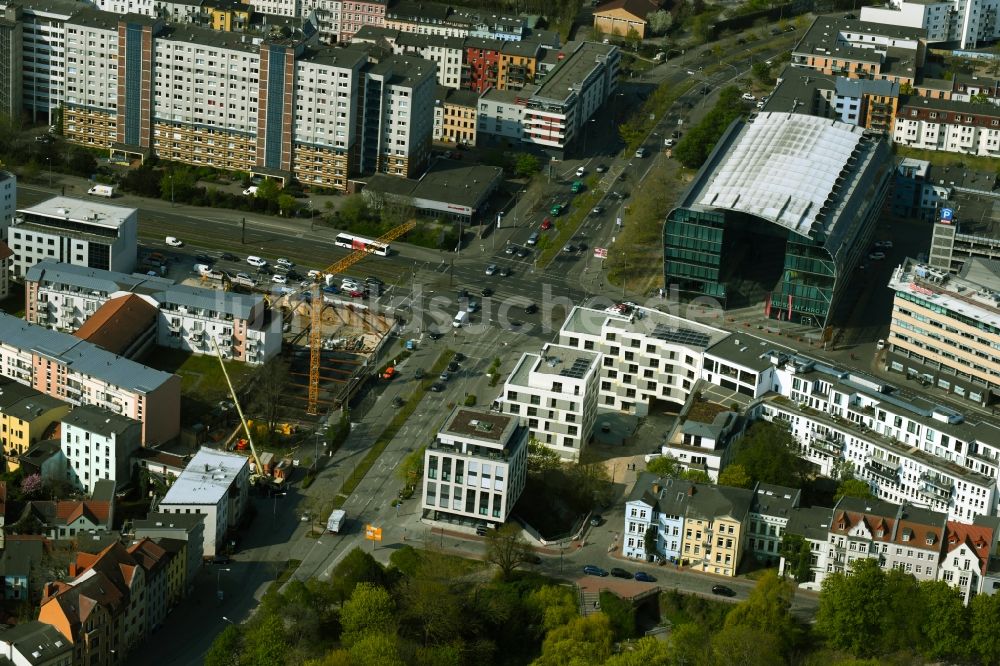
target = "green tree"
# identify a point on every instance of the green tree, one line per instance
(690, 644)
(649, 540)
(621, 615)
(411, 470)
(431, 603)
(354, 210)
(225, 649)
(553, 605)
(264, 642)
(357, 567)
(178, 184)
(740, 645)
(268, 190)
(664, 466)
(735, 475)
(370, 610)
(287, 204)
(659, 21)
(30, 170)
(767, 611)
(541, 459)
(632, 132)
(506, 548)
(81, 162)
(761, 71)
(632, 39)
(768, 452)
(695, 476)
(376, 649)
(585, 640)
(526, 165)
(985, 627)
(853, 488)
(647, 651)
(946, 622)
(798, 556)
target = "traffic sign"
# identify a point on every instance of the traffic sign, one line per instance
(373, 533)
(601, 252)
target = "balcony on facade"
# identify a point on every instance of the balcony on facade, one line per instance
(883, 470)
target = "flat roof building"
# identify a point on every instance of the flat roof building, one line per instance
(450, 189)
(745, 233)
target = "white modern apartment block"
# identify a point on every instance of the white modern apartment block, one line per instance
(43, 55)
(215, 484)
(701, 436)
(475, 469)
(448, 53)
(64, 297)
(556, 393)
(8, 201)
(501, 114)
(948, 125)
(646, 355)
(99, 444)
(556, 115)
(122, 7)
(907, 448)
(278, 7)
(967, 22)
(74, 231)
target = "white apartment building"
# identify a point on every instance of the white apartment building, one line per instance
(278, 7)
(646, 355)
(556, 114)
(948, 125)
(99, 444)
(122, 7)
(556, 393)
(214, 484)
(448, 53)
(475, 469)
(43, 56)
(501, 115)
(64, 297)
(966, 22)
(701, 436)
(660, 503)
(80, 373)
(74, 231)
(965, 562)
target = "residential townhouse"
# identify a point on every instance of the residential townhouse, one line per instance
(500, 116)
(25, 416)
(518, 64)
(481, 64)
(455, 116)
(35, 643)
(322, 141)
(475, 469)
(945, 328)
(69, 519)
(124, 325)
(187, 528)
(99, 444)
(862, 50)
(966, 23)
(67, 298)
(770, 511)
(556, 393)
(965, 561)
(155, 561)
(646, 355)
(76, 232)
(45, 459)
(948, 125)
(658, 504)
(214, 484)
(176, 569)
(700, 438)
(445, 52)
(427, 18)
(77, 372)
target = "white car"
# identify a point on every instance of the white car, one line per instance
(250, 191)
(760, 104)
(256, 261)
(491, 269)
(580, 172)
(314, 274)
(747, 97)
(350, 285)
(277, 278)
(668, 143)
(173, 241)
(202, 269)
(876, 256)
(884, 245)
(284, 262)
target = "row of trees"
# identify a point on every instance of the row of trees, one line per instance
(696, 145)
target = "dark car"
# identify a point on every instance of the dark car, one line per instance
(204, 259)
(222, 559)
(437, 387)
(723, 591)
(435, 336)
(444, 376)
(487, 291)
(594, 570)
(644, 577)
(510, 249)
(504, 272)
(293, 275)
(463, 293)
(453, 367)
(522, 252)
(459, 357)
(371, 279)
(596, 521)
(398, 402)
(620, 573)
(229, 256)
(530, 309)
(419, 373)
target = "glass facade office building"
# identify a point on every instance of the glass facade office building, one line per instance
(781, 214)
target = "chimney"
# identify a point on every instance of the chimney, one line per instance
(691, 490)
(656, 488)
(72, 570)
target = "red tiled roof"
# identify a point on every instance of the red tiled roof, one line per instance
(977, 537)
(5, 251)
(116, 324)
(149, 554)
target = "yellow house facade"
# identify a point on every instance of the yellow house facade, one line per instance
(714, 531)
(25, 415)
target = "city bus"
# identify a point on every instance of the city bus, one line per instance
(360, 243)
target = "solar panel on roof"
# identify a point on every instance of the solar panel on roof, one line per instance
(684, 336)
(577, 370)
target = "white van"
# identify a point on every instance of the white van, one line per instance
(102, 191)
(461, 318)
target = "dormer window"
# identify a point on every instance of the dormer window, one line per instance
(880, 533)
(841, 525)
(906, 537)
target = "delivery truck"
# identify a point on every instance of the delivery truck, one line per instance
(107, 191)
(336, 521)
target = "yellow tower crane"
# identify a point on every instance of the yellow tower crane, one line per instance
(316, 320)
(239, 410)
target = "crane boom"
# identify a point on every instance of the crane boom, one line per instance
(239, 410)
(316, 320)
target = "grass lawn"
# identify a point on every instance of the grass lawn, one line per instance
(200, 375)
(14, 303)
(942, 159)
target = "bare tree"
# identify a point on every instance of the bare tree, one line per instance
(269, 388)
(506, 548)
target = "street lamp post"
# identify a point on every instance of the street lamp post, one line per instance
(312, 218)
(228, 620)
(218, 583)
(48, 160)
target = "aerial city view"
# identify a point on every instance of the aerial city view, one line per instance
(400, 332)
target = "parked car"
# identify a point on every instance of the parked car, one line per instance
(546, 224)
(437, 387)
(285, 263)
(569, 247)
(444, 376)
(453, 366)
(278, 278)
(747, 97)
(644, 577)
(580, 172)
(418, 373)
(256, 261)
(593, 570)
(173, 241)
(459, 357)
(877, 256)
(522, 252)
(504, 272)
(531, 308)
(596, 521)
(228, 256)
(600, 168)
(510, 249)
(487, 291)
(576, 187)
(398, 402)
(491, 269)
(618, 572)
(723, 591)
